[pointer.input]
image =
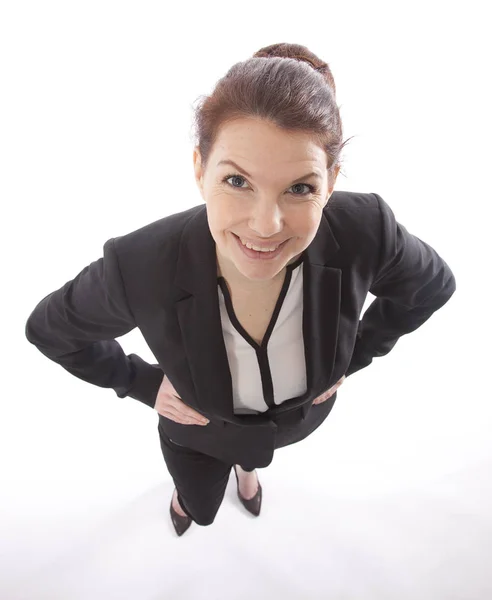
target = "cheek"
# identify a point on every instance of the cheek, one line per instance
(221, 218)
(305, 223)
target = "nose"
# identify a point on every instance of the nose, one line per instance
(266, 219)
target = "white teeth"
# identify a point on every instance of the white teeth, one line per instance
(248, 245)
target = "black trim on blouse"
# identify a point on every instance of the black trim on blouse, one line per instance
(261, 349)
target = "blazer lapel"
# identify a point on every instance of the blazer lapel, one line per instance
(321, 315)
(197, 306)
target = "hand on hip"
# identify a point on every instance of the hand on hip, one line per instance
(325, 395)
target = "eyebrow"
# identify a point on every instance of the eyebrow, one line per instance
(236, 166)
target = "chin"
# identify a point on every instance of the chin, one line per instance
(263, 277)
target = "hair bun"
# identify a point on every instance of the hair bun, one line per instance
(301, 53)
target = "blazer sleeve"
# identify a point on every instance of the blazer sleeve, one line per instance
(412, 282)
(75, 327)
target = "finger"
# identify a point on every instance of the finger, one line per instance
(194, 417)
(323, 397)
(329, 393)
(192, 420)
(187, 412)
(185, 419)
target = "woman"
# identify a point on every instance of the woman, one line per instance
(250, 302)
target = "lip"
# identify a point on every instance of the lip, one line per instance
(256, 254)
(260, 244)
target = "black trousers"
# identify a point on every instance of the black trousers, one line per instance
(201, 480)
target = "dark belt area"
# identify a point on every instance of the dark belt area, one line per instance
(289, 418)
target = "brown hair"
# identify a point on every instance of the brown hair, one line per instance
(285, 84)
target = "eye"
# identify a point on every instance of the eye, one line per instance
(311, 188)
(233, 176)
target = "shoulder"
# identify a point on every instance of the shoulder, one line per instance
(148, 256)
(344, 204)
(356, 213)
(356, 221)
(158, 237)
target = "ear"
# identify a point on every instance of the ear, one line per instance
(197, 166)
(332, 184)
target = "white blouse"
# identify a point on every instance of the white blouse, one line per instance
(267, 375)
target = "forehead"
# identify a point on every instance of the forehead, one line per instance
(260, 143)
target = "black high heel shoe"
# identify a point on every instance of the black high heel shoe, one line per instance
(253, 505)
(181, 524)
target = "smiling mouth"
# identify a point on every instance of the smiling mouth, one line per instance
(259, 248)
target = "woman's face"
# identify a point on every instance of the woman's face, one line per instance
(268, 197)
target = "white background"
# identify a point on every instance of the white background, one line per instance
(95, 141)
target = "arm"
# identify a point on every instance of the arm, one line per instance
(411, 283)
(75, 327)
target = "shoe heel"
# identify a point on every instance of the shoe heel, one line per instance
(181, 524)
(253, 505)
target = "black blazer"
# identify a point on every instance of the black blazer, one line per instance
(162, 278)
